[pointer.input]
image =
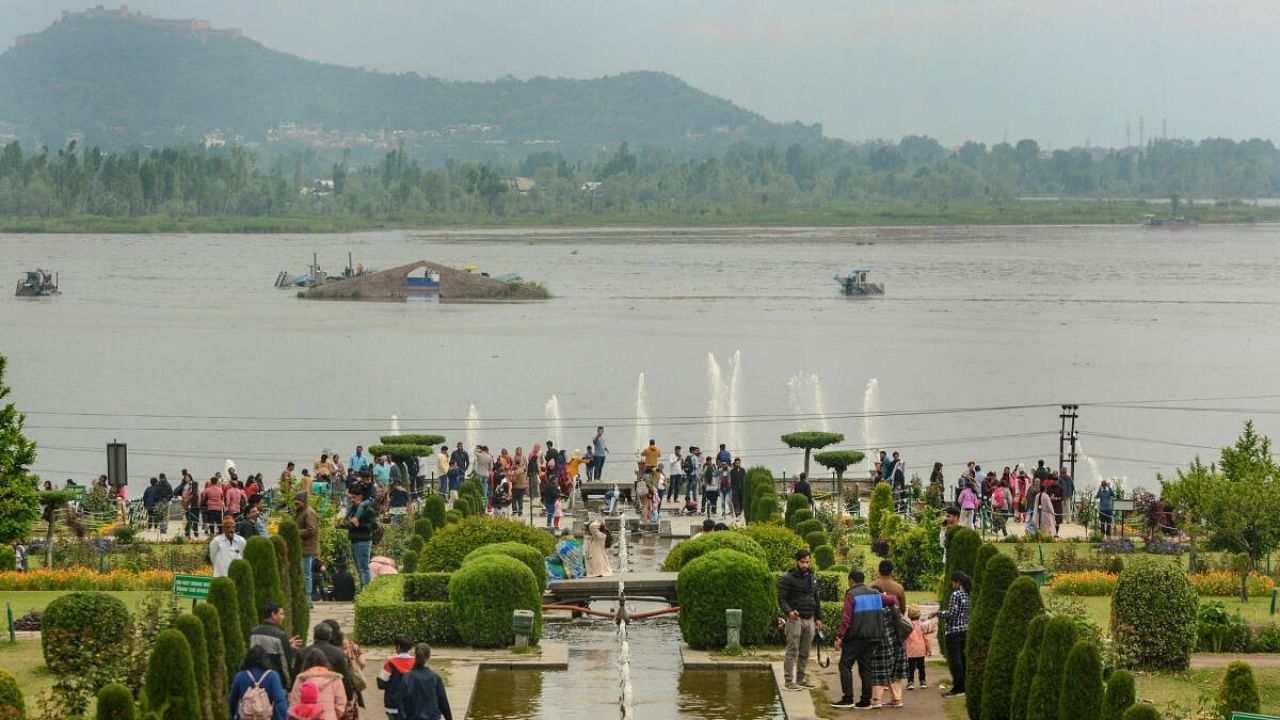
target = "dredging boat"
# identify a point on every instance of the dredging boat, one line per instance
(855, 284)
(37, 283)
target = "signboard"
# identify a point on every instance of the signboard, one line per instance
(78, 491)
(1122, 505)
(1252, 716)
(195, 587)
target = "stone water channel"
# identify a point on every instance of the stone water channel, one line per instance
(633, 670)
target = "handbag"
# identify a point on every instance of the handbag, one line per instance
(903, 625)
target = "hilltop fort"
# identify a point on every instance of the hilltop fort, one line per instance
(200, 29)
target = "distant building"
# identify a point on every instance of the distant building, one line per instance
(201, 29)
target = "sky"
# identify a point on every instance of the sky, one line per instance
(1062, 72)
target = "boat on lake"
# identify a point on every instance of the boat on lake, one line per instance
(37, 283)
(1167, 222)
(855, 284)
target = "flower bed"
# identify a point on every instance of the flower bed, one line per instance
(1086, 583)
(84, 579)
(1221, 583)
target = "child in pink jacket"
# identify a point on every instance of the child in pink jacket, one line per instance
(918, 646)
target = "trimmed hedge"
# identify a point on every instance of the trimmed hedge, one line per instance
(881, 500)
(382, 612)
(1119, 696)
(411, 439)
(483, 594)
(766, 508)
(687, 551)
(1046, 687)
(1081, 697)
(409, 559)
(240, 572)
(84, 633)
(530, 557)
(824, 556)
(796, 503)
(170, 688)
(1142, 712)
(816, 538)
(12, 704)
(434, 508)
(222, 596)
(799, 516)
(450, 545)
(780, 543)
(831, 585)
(428, 587)
(989, 598)
(1025, 669)
(812, 525)
(423, 527)
(219, 681)
(260, 553)
(401, 452)
(115, 702)
(716, 581)
(1238, 691)
(1020, 606)
(191, 627)
(299, 603)
(1153, 616)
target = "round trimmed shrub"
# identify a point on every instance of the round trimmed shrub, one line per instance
(260, 553)
(191, 628)
(1081, 697)
(1153, 616)
(222, 596)
(299, 603)
(12, 706)
(824, 556)
(483, 594)
(766, 508)
(240, 572)
(115, 702)
(712, 583)
(693, 548)
(409, 561)
(881, 500)
(816, 538)
(1046, 687)
(434, 508)
(530, 557)
(83, 633)
(799, 516)
(415, 543)
(452, 517)
(423, 527)
(796, 503)
(1025, 669)
(1238, 691)
(811, 525)
(169, 691)
(1020, 606)
(996, 579)
(8, 559)
(462, 506)
(1119, 696)
(451, 544)
(219, 683)
(1142, 711)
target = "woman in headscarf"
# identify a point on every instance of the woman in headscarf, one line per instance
(598, 537)
(519, 481)
(1042, 517)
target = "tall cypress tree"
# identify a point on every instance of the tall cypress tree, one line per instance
(223, 597)
(218, 682)
(299, 602)
(1021, 606)
(999, 574)
(261, 555)
(169, 692)
(191, 627)
(241, 573)
(1025, 669)
(1082, 689)
(1046, 687)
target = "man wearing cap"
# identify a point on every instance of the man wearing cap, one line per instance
(225, 547)
(309, 531)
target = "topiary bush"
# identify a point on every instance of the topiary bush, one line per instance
(170, 690)
(452, 517)
(299, 603)
(462, 506)
(1046, 687)
(780, 543)
(796, 503)
(86, 635)
(431, 441)
(824, 556)
(281, 550)
(1025, 669)
(1021, 604)
(799, 516)
(1082, 691)
(428, 587)
(384, 610)
(260, 553)
(962, 552)
(758, 480)
(219, 680)
(423, 527)
(716, 581)
(8, 559)
(1142, 712)
(400, 452)
(693, 548)
(765, 507)
(1119, 696)
(1153, 617)
(986, 551)
(409, 560)
(816, 538)
(191, 628)
(450, 545)
(12, 706)
(115, 702)
(434, 508)
(1238, 691)
(223, 598)
(531, 558)
(240, 572)
(996, 579)
(881, 500)
(485, 591)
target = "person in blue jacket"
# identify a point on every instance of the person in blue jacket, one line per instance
(256, 672)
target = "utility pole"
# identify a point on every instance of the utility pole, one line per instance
(1067, 438)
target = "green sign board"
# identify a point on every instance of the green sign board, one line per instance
(1252, 716)
(195, 587)
(78, 492)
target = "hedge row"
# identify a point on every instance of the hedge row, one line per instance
(382, 613)
(426, 587)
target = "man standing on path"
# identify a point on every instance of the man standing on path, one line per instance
(798, 600)
(359, 462)
(737, 483)
(442, 470)
(225, 547)
(957, 628)
(598, 451)
(309, 530)
(861, 629)
(271, 637)
(676, 466)
(651, 455)
(1068, 486)
(164, 493)
(886, 584)
(461, 459)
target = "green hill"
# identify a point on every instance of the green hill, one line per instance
(122, 81)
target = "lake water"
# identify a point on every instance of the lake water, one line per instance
(181, 347)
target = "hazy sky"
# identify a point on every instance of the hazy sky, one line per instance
(1059, 71)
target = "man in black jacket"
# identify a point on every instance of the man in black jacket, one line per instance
(322, 636)
(798, 599)
(278, 645)
(861, 629)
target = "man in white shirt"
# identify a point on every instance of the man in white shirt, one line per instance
(225, 547)
(676, 477)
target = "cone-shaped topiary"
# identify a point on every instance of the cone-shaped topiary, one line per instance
(1142, 711)
(815, 539)
(12, 706)
(1025, 669)
(962, 551)
(766, 507)
(719, 580)
(881, 500)
(484, 593)
(240, 572)
(824, 556)
(808, 526)
(423, 527)
(1082, 689)
(799, 516)
(115, 702)
(281, 549)
(223, 598)
(170, 688)
(1153, 615)
(462, 506)
(1046, 687)
(409, 561)
(998, 576)
(299, 603)
(986, 551)
(1020, 606)
(1119, 696)
(261, 555)
(1238, 691)
(434, 508)
(219, 682)
(796, 502)
(191, 627)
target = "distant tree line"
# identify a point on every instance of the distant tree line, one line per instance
(190, 181)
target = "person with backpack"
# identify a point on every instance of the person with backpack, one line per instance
(391, 678)
(644, 496)
(710, 488)
(689, 465)
(256, 691)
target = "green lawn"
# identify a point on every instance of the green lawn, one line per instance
(24, 601)
(25, 661)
